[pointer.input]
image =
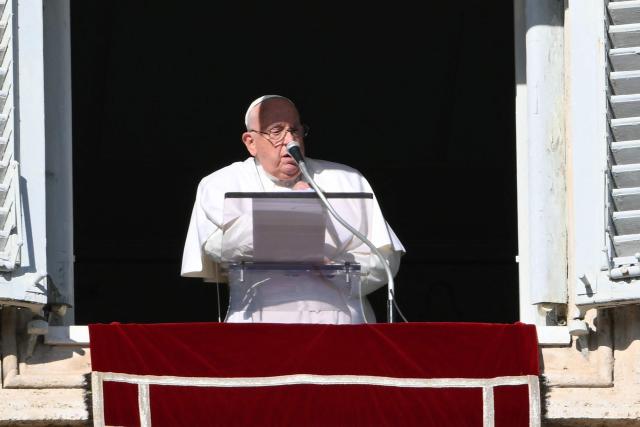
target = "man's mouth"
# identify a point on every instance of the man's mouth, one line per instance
(288, 160)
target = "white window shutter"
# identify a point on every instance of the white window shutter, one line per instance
(618, 279)
(10, 239)
(23, 263)
(623, 179)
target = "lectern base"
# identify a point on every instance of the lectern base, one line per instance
(296, 293)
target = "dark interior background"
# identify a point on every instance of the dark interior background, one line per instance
(421, 100)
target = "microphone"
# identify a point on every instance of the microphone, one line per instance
(293, 148)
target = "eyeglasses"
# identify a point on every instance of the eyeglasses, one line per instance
(276, 134)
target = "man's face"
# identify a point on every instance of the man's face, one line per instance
(274, 116)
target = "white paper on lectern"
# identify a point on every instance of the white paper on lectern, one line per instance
(274, 227)
(288, 230)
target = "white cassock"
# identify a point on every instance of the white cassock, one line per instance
(281, 299)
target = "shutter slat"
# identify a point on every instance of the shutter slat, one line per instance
(626, 105)
(626, 152)
(627, 245)
(625, 35)
(624, 12)
(625, 82)
(626, 199)
(626, 129)
(627, 222)
(625, 59)
(626, 176)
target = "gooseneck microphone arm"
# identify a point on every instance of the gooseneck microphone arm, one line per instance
(293, 148)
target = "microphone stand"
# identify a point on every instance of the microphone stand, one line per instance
(294, 150)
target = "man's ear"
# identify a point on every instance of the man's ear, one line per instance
(250, 143)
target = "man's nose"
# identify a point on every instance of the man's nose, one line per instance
(285, 141)
(289, 136)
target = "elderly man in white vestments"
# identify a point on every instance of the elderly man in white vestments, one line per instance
(272, 121)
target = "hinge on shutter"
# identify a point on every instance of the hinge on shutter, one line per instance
(625, 267)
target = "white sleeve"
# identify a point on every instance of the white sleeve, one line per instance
(385, 240)
(374, 275)
(202, 228)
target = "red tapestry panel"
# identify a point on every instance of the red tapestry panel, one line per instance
(377, 374)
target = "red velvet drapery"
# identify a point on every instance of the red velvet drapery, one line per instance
(376, 358)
